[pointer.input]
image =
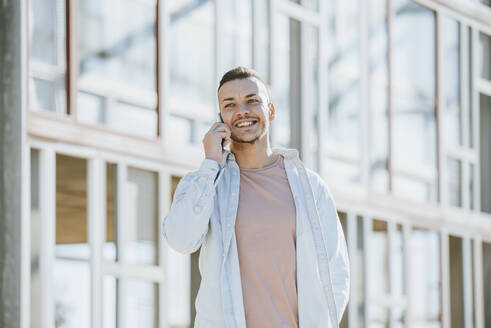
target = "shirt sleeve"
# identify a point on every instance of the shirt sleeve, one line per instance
(337, 249)
(186, 224)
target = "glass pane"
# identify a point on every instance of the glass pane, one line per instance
(192, 84)
(397, 265)
(110, 246)
(261, 35)
(360, 262)
(470, 89)
(142, 304)
(451, 82)
(456, 282)
(379, 95)
(454, 177)
(71, 267)
(343, 53)
(238, 33)
(485, 56)
(378, 270)
(118, 64)
(110, 305)
(311, 52)
(286, 39)
(486, 276)
(485, 152)
(413, 102)
(47, 52)
(425, 278)
(35, 222)
(142, 197)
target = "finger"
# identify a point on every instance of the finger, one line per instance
(227, 132)
(222, 134)
(227, 141)
(221, 127)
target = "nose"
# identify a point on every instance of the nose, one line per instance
(243, 110)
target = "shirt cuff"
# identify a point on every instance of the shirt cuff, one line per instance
(209, 167)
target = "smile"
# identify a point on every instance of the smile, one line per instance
(245, 124)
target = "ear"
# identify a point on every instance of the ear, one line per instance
(271, 112)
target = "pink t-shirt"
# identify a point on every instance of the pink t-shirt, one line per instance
(266, 243)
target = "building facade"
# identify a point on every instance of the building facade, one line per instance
(389, 100)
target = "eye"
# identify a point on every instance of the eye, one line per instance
(228, 105)
(254, 100)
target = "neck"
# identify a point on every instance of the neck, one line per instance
(251, 156)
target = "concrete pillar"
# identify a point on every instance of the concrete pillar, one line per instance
(11, 138)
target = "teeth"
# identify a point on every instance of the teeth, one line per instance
(244, 124)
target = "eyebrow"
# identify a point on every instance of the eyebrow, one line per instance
(249, 95)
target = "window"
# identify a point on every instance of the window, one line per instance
(192, 81)
(35, 240)
(142, 204)
(452, 107)
(238, 33)
(425, 279)
(117, 82)
(456, 282)
(457, 113)
(47, 56)
(379, 95)
(484, 55)
(296, 87)
(413, 76)
(343, 54)
(378, 274)
(71, 271)
(285, 97)
(485, 152)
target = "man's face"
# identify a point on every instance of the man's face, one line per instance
(244, 105)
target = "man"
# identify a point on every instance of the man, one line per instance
(273, 253)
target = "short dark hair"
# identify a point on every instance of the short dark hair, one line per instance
(241, 72)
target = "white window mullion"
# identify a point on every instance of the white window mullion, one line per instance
(96, 182)
(164, 195)
(47, 203)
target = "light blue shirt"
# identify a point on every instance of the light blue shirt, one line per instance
(203, 214)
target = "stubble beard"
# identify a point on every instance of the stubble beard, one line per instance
(253, 141)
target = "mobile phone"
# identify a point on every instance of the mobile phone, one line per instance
(221, 120)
